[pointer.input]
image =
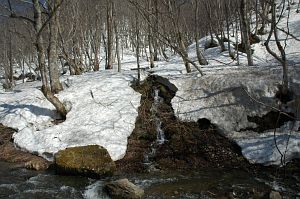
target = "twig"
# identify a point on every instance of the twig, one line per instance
(99, 103)
(271, 107)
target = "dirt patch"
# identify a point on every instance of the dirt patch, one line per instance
(9, 153)
(271, 120)
(189, 145)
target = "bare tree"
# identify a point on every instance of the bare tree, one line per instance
(40, 25)
(281, 57)
(56, 86)
(109, 27)
(245, 28)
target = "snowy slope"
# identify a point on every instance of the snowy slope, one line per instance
(106, 120)
(222, 95)
(109, 118)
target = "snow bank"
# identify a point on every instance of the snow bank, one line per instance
(26, 107)
(222, 94)
(223, 97)
(271, 150)
(107, 119)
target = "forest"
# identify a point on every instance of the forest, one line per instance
(168, 88)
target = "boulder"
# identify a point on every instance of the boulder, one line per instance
(275, 195)
(92, 161)
(123, 189)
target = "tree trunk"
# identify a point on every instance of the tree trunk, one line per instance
(150, 38)
(11, 67)
(156, 25)
(246, 31)
(282, 56)
(109, 35)
(54, 73)
(137, 46)
(200, 56)
(117, 38)
(184, 52)
(41, 61)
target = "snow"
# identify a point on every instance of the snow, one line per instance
(106, 120)
(271, 150)
(223, 96)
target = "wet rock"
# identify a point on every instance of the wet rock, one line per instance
(275, 195)
(123, 189)
(9, 153)
(92, 161)
(37, 164)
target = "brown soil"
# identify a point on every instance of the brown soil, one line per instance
(9, 153)
(190, 145)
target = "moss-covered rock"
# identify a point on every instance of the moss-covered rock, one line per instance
(92, 161)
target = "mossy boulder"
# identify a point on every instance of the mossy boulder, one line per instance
(92, 161)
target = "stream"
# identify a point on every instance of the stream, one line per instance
(209, 183)
(206, 183)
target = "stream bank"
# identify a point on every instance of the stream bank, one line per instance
(188, 145)
(194, 161)
(9, 153)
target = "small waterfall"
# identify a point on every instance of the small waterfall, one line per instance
(160, 136)
(154, 109)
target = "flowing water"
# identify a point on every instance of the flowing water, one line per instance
(209, 183)
(160, 136)
(154, 109)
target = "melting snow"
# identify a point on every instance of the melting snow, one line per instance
(107, 119)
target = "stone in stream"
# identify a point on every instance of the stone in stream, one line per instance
(123, 189)
(92, 161)
(275, 195)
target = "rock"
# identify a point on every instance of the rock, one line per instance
(92, 161)
(275, 195)
(37, 164)
(123, 189)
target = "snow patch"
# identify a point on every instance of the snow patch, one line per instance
(103, 112)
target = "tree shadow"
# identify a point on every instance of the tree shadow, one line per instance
(36, 110)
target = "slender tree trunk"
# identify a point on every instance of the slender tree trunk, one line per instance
(11, 67)
(96, 60)
(117, 37)
(150, 38)
(41, 61)
(282, 56)
(109, 35)
(156, 25)
(184, 51)
(54, 73)
(221, 42)
(137, 46)
(200, 56)
(246, 31)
